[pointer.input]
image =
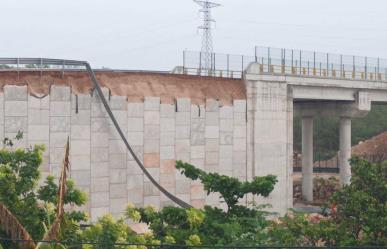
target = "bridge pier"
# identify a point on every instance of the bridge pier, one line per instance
(345, 150)
(307, 158)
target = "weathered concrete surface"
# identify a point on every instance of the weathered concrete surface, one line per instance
(270, 111)
(307, 158)
(205, 135)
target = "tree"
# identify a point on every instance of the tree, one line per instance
(361, 207)
(34, 207)
(357, 214)
(238, 225)
(231, 190)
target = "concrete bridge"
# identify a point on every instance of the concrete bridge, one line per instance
(239, 127)
(283, 83)
(275, 99)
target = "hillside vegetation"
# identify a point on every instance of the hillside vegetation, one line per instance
(326, 131)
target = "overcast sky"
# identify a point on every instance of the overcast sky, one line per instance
(151, 34)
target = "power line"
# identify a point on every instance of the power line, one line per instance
(206, 52)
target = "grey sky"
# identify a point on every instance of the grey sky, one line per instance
(151, 34)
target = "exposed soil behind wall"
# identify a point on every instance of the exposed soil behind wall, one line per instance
(135, 85)
(376, 145)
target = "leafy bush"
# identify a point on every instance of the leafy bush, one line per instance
(323, 189)
(361, 207)
(236, 225)
(358, 213)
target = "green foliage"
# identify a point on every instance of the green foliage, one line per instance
(33, 205)
(37, 66)
(358, 214)
(193, 240)
(323, 188)
(362, 205)
(19, 174)
(5, 66)
(298, 229)
(107, 231)
(212, 225)
(326, 131)
(229, 188)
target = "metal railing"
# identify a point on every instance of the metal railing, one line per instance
(222, 65)
(292, 62)
(317, 64)
(319, 166)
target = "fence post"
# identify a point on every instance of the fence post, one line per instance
(341, 66)
(183, 61)
(63, 69)
(354, 68)
(228, 65)
(200, 62)
(314, 63)
(242, 68)
(268, 59)
(256, 57)
(365, 68)
(300, 62)
(18, 72)
(214, 65)
(327, 65)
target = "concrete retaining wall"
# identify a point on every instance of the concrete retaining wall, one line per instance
(211, 136)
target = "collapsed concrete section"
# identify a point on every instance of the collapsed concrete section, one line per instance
(209, 131)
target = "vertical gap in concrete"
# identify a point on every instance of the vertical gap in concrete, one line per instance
(76, 103)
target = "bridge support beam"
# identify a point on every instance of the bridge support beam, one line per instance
(307, 158)
(345, 150)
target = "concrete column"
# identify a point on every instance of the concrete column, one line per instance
(269, 112)
(307, 158)
(345, 150)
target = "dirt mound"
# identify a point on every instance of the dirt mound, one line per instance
(134, 85)
(373, 149)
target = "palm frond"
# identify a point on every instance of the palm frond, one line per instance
(14, 229)
(53, 232)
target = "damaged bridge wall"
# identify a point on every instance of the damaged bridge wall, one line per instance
(211, 136)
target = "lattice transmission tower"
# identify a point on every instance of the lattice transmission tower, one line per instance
(206, 61)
